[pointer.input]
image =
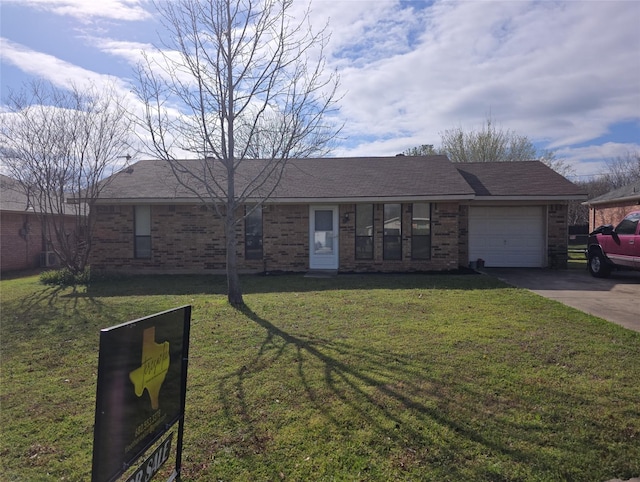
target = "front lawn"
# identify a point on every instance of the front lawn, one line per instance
(377, 378)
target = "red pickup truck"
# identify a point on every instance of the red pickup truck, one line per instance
(612, 248)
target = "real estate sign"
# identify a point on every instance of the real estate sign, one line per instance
(142, 371)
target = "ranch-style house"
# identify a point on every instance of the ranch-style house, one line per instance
(366, 214)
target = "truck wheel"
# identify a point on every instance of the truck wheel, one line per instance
(598, 266)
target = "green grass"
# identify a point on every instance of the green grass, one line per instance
(577, 258)
(379, 377)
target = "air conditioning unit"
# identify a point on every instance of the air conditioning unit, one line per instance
(49, 259)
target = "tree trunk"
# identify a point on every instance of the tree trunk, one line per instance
(234, 290)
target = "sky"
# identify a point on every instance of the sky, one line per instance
(566, 74)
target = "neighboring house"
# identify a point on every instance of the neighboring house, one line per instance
(387, 214)
(21, 237)
(23, 243)
(612, 207)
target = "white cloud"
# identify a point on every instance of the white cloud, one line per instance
(592, 160)
(132, 52)
(89, 9)
(559, 71)
(51, 68)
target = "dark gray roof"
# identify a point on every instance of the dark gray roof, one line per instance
(522, 179)
(12, 197)
(630, 192)
(325, 179)
(351, 179)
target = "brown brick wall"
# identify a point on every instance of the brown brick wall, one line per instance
(463, 229)
(445, 237)
(20, 241)
(285, 237)
(189, 239)
(557, 235)
(444, 246)
(184, 239)
(611, 214)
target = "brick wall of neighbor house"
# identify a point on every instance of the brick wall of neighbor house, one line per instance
(610, 214)
(557, 235)
(20, 241)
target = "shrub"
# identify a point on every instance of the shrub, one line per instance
(65, 277)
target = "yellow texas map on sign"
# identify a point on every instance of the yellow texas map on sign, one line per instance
(153, 368)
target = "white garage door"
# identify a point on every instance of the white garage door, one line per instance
(507, 236)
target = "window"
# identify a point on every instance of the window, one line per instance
(392, 239)
(628, 224)
(253, 232)
(364, 231)
(323, 232)
(421, 231)
(142, 215)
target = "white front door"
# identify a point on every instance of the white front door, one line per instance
(323, 237)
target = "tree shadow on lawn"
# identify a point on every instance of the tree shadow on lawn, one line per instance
(43, 307)
(282, 283)
(425, 418)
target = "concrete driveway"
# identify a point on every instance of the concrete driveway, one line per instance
(616, 299)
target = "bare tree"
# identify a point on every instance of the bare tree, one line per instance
(489, 144)
(422, 150)
(59, 144)
(578, 213)
(622, 170)
(235, 80)
(618, 172)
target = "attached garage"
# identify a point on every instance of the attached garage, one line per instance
(513, 236)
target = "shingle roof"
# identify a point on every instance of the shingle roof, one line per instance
(630, 192)
(12, 198)
(356, 178)
(326, 179)
(525, 179)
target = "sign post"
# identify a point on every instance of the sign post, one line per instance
(141, 391)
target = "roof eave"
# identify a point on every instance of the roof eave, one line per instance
(635, 197)
(575, 197)
(295, 200)
(369, 199)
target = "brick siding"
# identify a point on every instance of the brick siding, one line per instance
(557, 236)
(189, 239)
(463, 230)
(610, 214)
(20, 241)
(444, 241)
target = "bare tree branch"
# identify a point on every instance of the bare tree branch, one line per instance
(60, 144)
(235, 80)
(489, 144)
